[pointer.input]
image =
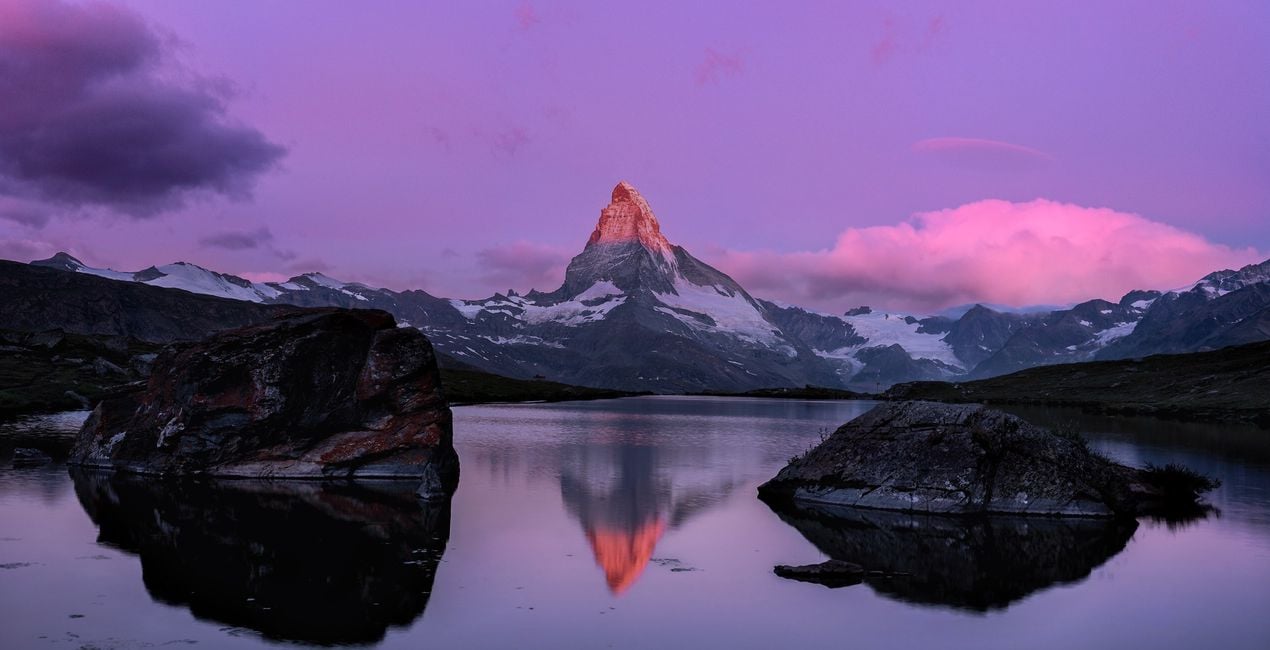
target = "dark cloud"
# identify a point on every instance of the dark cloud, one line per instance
(91, 117)
(244, 240)
(310, 265)
(237, 241)
(523, 266)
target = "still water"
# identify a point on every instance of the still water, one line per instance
(620, 524)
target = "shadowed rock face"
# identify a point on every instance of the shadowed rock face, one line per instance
(327, 394)
(975, 563)
(955, 459)
(315, 562)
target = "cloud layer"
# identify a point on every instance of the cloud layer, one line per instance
(522, 265)
(92, 117)
(1038, 252)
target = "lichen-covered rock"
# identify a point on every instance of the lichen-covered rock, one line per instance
(956, 459)
(319, 394)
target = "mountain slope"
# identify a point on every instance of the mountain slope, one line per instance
(34, 299)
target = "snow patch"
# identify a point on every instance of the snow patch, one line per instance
(888, 329)
(469, 311)
(732, 313)
(197, 279)
(1119, 330)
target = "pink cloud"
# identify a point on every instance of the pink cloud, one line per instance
(527, 16)
(983, 154)
(1038, 252)
(885, 46)
(523, 265)
(717, 65)
(934, 28)
(263, 276)
(25, 250)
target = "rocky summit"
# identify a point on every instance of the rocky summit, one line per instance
(964, 459)
(320, 394)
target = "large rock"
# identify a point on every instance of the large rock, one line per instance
(957, 459)
(320, 394)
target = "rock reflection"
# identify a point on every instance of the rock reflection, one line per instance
(295, 561)
(973, 563)
(627, 495)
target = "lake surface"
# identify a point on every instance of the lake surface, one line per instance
(619, 524)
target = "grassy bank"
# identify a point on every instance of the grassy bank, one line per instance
(1227, 385)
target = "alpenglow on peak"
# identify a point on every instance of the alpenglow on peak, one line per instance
(627, 218)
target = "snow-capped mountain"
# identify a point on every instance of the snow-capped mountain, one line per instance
(637, 312)
(196, 279)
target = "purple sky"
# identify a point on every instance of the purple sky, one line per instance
(466, 147)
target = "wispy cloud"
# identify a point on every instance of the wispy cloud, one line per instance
(716, 65)
(523, 265)
(527, 16)
(245, 240)
(982, 153)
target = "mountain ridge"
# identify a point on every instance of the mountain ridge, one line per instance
(637, 312)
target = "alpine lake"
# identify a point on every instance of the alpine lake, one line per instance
(629, 523)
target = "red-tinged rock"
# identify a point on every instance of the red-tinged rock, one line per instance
(319, 394)
(629, 219)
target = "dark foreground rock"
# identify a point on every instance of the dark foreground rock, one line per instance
(925, 457)
(327, 562)
(973, 563)
(830, 573)
(320, 394)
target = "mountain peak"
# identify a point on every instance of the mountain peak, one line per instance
(62, 260)
(627, 218)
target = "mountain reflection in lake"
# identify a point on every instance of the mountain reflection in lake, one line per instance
(625, 498)
(296, 561)
(627, 523)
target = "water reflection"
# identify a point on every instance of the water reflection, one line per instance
(970, 563)
(626, 495)
(293, 561)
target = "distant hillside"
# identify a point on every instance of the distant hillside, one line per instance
(36, 299)
(1230, 384)
(477, 387)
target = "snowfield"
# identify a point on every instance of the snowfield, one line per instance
(732, 313)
